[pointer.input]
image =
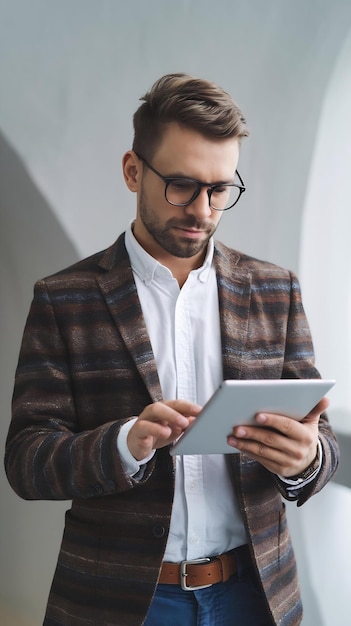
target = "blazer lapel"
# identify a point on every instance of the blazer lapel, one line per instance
(234, 290)
(119, 291)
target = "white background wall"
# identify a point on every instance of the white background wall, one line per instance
(71, 75)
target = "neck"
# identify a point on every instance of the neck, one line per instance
(181, 271)
(179, 266)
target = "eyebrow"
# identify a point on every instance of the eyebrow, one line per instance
(197, 180)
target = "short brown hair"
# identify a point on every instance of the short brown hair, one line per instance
(194, 102)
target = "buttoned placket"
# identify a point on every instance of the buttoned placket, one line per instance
(191, 466)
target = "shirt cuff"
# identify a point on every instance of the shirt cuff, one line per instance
(130, 464)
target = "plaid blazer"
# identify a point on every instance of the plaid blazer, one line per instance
(85, 366)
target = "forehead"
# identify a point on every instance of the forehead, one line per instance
(187, 152)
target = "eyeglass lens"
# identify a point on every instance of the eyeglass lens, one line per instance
(182, 192)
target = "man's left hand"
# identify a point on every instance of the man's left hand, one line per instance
(283, 445)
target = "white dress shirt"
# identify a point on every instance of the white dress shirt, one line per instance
(184, 329)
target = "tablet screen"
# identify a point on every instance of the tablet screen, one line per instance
(237, 401)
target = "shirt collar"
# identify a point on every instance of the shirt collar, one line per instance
(146, 266)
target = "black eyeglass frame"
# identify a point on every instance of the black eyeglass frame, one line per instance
(210, 187)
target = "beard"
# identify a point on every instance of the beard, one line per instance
(168, 237)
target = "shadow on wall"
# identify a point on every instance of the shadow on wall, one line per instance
(32, 244)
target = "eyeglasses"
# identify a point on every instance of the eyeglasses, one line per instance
(181, 191)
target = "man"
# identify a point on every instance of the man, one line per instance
(120, 352)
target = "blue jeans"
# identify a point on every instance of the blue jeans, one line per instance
(237, 602)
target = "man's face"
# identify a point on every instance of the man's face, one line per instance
(183, 232)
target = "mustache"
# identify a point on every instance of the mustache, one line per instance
(190, 222)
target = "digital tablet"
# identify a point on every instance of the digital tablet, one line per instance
(236, 402)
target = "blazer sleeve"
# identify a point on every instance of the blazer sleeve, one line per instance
(299, 362)
(49, 454)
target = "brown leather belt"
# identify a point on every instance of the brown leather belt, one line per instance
(200, 573)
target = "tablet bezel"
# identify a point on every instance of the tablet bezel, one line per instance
(238, 401)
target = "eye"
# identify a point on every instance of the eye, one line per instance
(221, 189)
(182, 184)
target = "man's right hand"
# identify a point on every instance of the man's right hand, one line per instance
(159, 424)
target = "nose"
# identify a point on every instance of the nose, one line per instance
(200, 207)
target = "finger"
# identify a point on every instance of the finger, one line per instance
(289, 426)
(163, 413)
(146, 428)
(175, 413)
(318, 409)
(260, 451)
(185, 407)
(267, 425)
(285, 425)
(257, 439)
(276, 452)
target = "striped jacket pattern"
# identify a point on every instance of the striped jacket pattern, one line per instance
(85, 367)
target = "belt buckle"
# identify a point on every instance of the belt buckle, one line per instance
(183, 574)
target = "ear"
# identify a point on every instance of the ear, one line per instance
(132, 170)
